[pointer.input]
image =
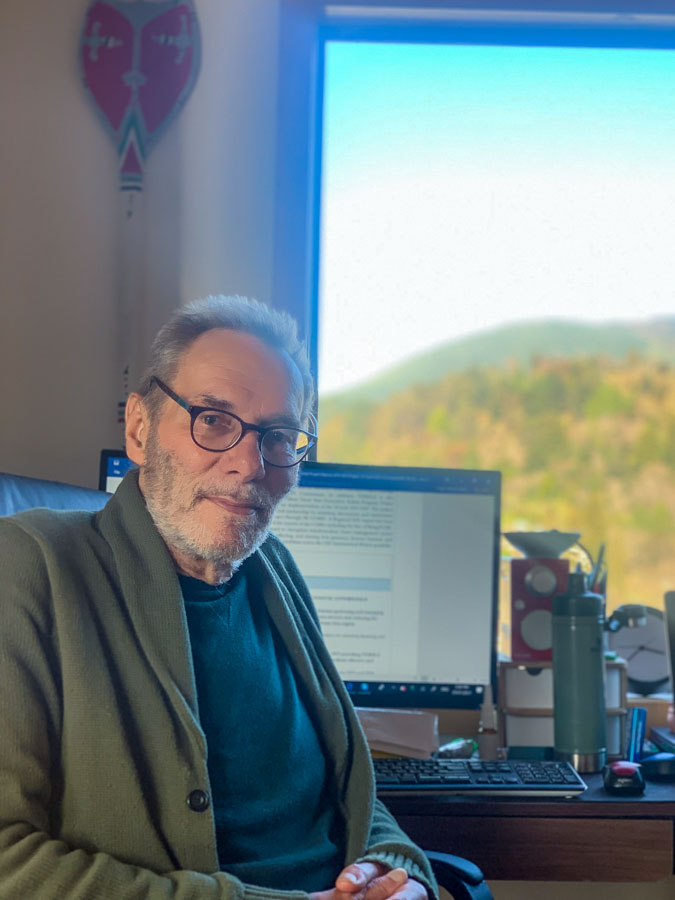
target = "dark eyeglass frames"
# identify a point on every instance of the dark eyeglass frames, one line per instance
(217, 431)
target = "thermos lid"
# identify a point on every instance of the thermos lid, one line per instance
(577, 601)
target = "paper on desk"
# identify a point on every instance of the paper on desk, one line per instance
(405, 732)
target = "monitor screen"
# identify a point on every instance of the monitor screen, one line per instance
(402, 564)
(113, 467)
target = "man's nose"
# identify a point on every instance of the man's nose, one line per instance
(245, 458)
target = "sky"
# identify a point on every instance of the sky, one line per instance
(467, 186)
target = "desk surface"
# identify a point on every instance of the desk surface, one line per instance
(595, 837)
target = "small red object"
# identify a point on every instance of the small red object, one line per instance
(624, 767)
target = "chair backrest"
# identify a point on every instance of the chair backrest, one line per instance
(461, 878)
(18, 492)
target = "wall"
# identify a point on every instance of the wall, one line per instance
(205, 220)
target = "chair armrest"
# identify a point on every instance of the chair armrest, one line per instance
(460, 877)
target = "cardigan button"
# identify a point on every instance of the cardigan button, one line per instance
(198, 800)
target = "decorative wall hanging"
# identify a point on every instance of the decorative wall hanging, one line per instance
(139, 61)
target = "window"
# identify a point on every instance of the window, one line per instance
(495, 273)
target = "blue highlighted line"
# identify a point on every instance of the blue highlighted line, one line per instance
(340, 583)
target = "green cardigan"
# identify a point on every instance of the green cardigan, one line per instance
(100, 742)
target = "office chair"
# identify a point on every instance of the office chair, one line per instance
(459, 877)
(19, 492)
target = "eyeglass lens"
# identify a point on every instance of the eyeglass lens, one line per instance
(218, 430)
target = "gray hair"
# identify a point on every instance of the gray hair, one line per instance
(274, 327)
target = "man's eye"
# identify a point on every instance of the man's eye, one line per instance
(216, 421)
(281, 436)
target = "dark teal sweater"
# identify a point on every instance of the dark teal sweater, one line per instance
(259, 742)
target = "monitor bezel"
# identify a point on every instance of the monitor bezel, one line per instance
(103, 465)
(669, 610)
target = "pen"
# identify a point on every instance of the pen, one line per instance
(596, 568)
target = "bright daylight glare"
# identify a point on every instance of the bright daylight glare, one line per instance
(465, 187)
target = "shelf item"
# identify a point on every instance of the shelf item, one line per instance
(526, 705)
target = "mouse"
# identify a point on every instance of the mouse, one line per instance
(623, 777)
(659, 766)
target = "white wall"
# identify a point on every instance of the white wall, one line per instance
(206, 220)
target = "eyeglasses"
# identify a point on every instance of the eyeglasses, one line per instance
(216, 430)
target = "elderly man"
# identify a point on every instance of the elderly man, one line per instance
(171, 724)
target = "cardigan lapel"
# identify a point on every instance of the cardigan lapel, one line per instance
(151, 594)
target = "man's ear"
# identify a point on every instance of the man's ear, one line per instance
(136, 428)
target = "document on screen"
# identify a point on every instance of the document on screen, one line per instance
(393, 574)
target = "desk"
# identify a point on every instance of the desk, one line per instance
(594, 837)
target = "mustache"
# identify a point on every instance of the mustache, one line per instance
(253, 495)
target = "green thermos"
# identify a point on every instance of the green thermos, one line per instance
(579, 677)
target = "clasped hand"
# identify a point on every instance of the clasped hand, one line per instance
(372, 881)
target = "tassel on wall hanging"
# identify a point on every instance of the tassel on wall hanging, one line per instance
(139, 61)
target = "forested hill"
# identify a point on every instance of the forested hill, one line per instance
(585, 443)
(521, 342)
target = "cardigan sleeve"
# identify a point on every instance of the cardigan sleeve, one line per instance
(34, 862)
(389, 845)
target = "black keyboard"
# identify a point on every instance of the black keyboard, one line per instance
(510, 778)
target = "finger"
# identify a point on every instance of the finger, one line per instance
(387, 885)
(411, 890)
(334, 894)
(357, 876)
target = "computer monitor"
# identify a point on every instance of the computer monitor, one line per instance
(402, 564)
(113, 467)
